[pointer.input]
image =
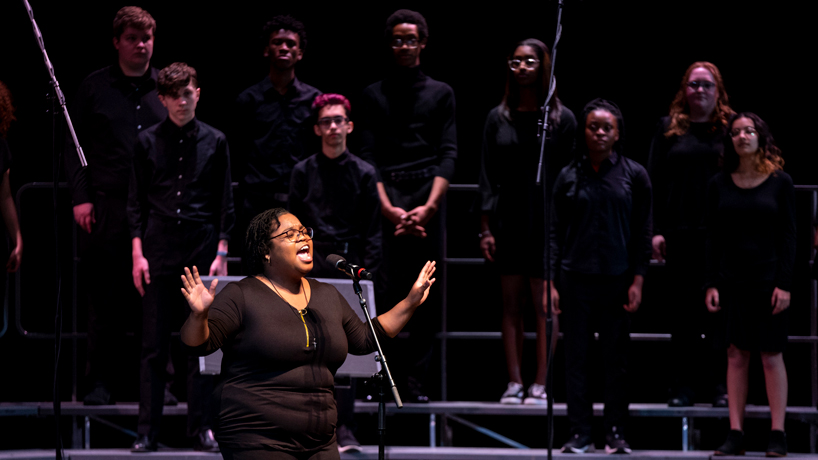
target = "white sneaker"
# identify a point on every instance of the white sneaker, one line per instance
(536, 395)
(513, 394)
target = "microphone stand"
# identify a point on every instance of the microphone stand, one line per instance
(384, 377)
(59, 97)
(544, 134)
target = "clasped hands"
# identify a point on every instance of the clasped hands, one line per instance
(410, 223)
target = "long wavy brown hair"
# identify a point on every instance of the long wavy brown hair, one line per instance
(768, 156)
(680, 110)
(6, 110)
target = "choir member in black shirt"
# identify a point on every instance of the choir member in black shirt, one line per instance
(272, 128)
(512, 203)
(750, 258)
(409, 135)
(180, 208)
(334, 192)
(600, 240)
(113, 105)
(685, 153)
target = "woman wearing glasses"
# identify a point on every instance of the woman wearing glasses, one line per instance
(684, 155)
(750, 257)
(283, 337)
(511, 202)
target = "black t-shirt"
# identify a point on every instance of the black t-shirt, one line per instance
(274, 391)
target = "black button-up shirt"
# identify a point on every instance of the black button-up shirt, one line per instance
(408, 125)
(181, 174)
(109, 112)
(339, 199)
(271, 135)
(601, 220)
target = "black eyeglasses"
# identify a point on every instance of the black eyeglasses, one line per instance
(293, 235)
(409, 42)
(696, 84)
(328, 121)
(516, 63)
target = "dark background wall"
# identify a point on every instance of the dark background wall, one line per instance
(633, 53)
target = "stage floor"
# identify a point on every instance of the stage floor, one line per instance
(393, 453)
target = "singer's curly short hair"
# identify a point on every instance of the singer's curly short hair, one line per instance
(258, 243)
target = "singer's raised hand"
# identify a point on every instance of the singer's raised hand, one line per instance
(198, 297)
(420, 290)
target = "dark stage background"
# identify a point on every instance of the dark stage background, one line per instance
(633, 53)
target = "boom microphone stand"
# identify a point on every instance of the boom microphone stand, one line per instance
(60, 98)
(384, 377)
(549, 324)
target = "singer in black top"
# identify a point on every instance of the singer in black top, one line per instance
(750, 258)
(685, 153)
(600, 239)
(283, 337)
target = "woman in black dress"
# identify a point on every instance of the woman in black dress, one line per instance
(600, 239)
(511, 203)
(283, 337)
(684, 154)
(750, 257)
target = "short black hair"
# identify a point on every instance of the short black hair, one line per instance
(406, 17)
(258, 243)
(581, 146)
(287, 23)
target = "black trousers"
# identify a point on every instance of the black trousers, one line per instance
(113, 302)
(169, 247)
(695, 362)
(594, 303)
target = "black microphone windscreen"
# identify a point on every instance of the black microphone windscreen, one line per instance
(336, 261)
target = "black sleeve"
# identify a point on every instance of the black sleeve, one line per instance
(713, 244)
(359, 337)
(373, 251)
(785, 243)
(228, 211)
(447, 149)
(657, 163)
(137, 191)
(487, 186)
(223, 319)
(75, 173)
(640, 247)
(298, 190)
(369, 111)
(559, 219)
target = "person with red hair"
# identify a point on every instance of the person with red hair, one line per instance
(685, 153)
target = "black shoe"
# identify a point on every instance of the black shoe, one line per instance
(679, 400)
(578, 444)
(777, 447)
(99, 396)
(205, 442)
(615, 442)
(734, 445)
(170, 400)
(144, 443)
(346, 440)
(720, 400)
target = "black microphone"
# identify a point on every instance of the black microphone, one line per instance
(350, 269)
